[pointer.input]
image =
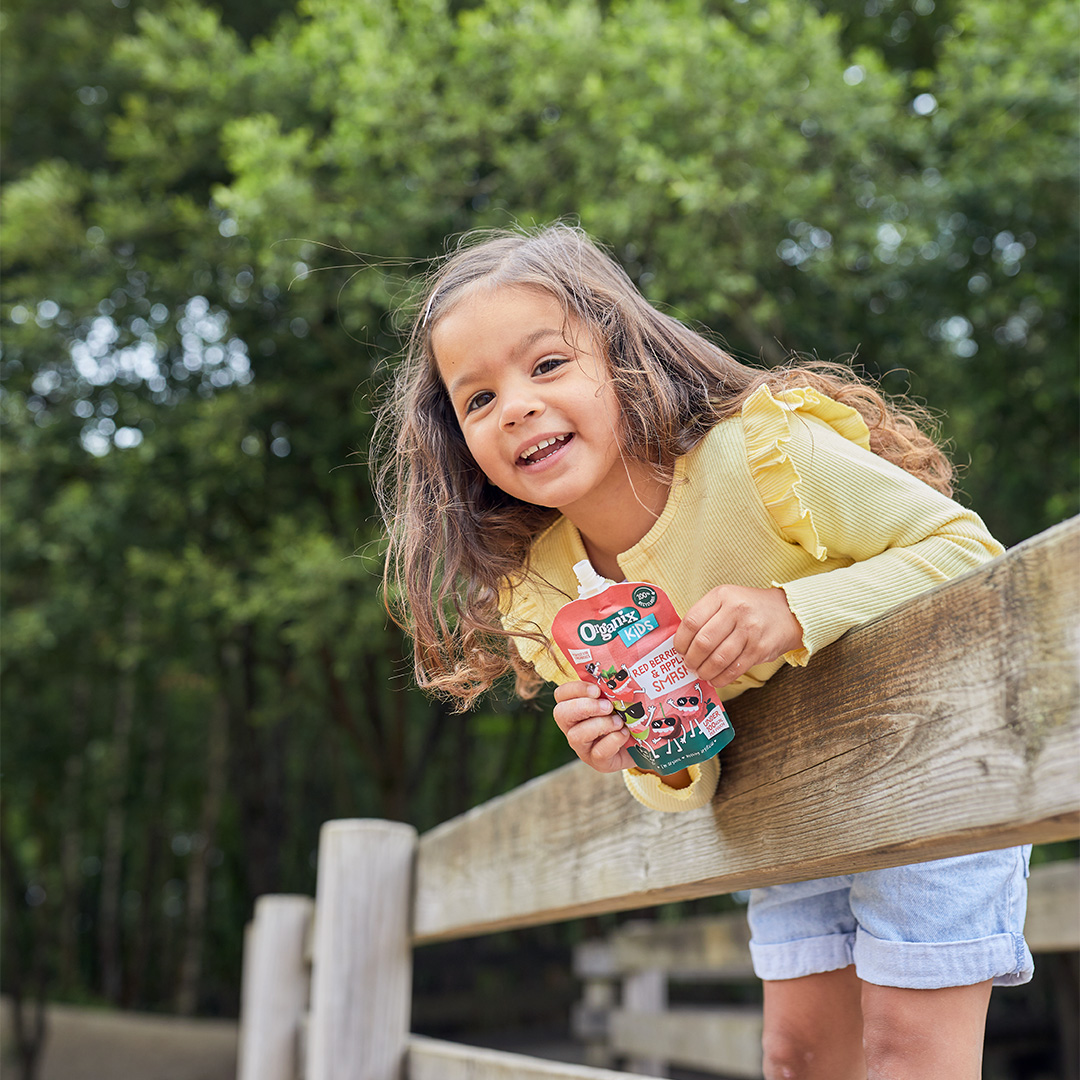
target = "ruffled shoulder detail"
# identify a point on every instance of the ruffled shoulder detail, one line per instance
(768, 422)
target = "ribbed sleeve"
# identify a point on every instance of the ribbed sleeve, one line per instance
(839, 501)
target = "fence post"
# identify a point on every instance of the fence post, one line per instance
(646, 993)
(361, 980)
(274, 993)
(594, 964)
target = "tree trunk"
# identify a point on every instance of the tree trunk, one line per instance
(198, 881)
(109, 939)
(71, 843)
(140, 992)
(255, 768)
(25, 948)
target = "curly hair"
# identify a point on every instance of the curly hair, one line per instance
(456, 543)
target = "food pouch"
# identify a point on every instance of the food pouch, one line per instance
(621, 636)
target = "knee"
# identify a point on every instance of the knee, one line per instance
(786, 1056)
(893, 1045)
(887, 1040)
(925, 1032)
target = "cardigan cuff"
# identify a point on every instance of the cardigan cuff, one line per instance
(651, 791)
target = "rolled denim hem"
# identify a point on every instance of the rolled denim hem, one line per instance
(794, 959)
(1005, 958)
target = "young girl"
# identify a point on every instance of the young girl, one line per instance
(544, 412)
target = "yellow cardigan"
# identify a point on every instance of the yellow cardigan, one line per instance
(785, 494)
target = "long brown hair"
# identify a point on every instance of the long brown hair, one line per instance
(456, 541)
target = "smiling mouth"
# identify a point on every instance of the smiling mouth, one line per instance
(543, 449)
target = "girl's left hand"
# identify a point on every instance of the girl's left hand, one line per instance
(732, 628)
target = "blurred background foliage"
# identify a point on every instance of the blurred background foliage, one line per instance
(212, 213)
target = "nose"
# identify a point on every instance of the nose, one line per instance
(518, 404)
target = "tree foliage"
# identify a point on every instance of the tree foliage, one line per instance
(210, 226)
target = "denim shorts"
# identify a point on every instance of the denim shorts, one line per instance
(952, 922)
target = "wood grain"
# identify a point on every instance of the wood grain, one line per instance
(949, 725)
(361, 977)
(274, 993)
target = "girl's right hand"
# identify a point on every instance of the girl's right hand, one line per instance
(595, 732)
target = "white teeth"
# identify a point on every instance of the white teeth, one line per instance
(542, 445)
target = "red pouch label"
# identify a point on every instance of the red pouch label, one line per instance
(623, 640)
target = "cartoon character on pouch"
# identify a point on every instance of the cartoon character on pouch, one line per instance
(614, 680)
(636, 719)
(663, 729)
(689, 708)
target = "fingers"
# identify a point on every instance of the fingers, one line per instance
(705, 628)
(718, 652)
(576, 702)
(731, 629)
(599, 741)
(575, 690)
(691, 624)
(605, 754)
(713, 643)
(719, 671)
(595, 732)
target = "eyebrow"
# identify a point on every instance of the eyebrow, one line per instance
(522, 346)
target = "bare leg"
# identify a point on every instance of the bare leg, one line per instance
(813, 1027)
(924, 1034)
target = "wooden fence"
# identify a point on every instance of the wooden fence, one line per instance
(949, 725)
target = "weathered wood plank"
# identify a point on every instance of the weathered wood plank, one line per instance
(949, 725)
(721, 1040)
(432, 1059)
(361, 975)
(274, 994)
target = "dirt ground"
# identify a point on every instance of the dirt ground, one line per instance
(96, 1044)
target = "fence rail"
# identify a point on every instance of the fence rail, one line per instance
(947, 726)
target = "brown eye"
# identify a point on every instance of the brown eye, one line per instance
(478, 401)
(549, 364)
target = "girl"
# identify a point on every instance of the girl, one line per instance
(545, 412)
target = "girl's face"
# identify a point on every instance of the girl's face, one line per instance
(532, 395)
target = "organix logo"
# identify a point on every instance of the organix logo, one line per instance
(604, 630)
